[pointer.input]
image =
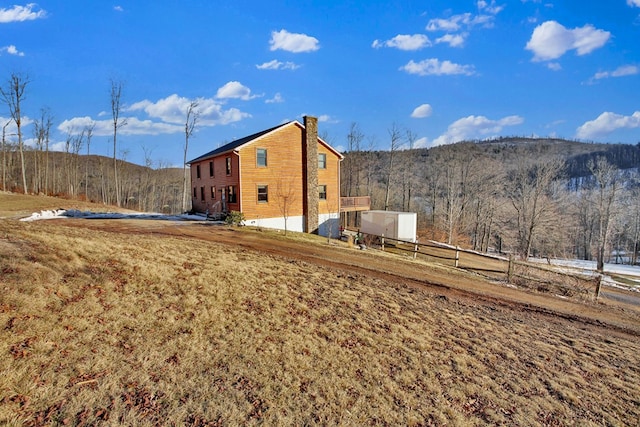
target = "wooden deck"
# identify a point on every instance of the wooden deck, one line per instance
(354, 204)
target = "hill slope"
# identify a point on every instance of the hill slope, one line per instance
(146, 323)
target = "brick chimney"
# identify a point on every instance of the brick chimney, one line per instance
(311, 203)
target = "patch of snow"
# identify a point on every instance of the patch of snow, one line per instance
(36, 216)
(589, 267)
(74, 213)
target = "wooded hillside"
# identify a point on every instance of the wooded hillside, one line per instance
(543, 197)
(540, 197)
(90, 177)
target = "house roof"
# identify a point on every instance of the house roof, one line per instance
(238, 143)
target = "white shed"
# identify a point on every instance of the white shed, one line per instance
(394, 225)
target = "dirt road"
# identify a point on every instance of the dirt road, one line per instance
(615, 311)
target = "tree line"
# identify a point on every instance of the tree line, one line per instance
(75, 172)
(524, 196)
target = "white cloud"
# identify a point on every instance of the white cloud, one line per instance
(118, 8)
(435, 67)
(490, 7)
(293, 42)
(422, 111)
(633, 3)
(277, 65)
(454, 40)
(134, 126)
(457, 22)
(606, 123)
(11, 50)
(21, 13)
(450, 24)
(277, 99)
(325, 118)
(100, 127)
(550, 40)
(421, 142)
(235, 90)
(405, 42)
(164, 116)
(554, 66)
(475, 127)
(624, 70)
(11, 131)
(173, 110)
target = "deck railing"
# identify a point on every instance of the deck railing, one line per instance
(360, 203)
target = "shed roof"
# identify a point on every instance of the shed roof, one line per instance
(238, 143)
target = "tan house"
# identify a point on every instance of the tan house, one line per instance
(280, 177)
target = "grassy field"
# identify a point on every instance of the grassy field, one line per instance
(110, 328)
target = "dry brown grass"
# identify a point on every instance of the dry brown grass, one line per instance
(104, 328)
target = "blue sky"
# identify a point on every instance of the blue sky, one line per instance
(445, 70)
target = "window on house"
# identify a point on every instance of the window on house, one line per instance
(195, 192)
(228, 159)
(263, 193)
(261, 157)
(213, 193)
(322, 161)
(232, 197)
(202, 193)
(211, 168)
(322, 192)
(198, 171)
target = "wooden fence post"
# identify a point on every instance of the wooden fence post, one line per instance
(510, 269)
(382, 242)
(457, 256)
(598, 285)
(415, 249)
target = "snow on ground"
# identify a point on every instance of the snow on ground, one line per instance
(588, 268)
(73, 213)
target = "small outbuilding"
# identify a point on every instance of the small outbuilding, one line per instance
(390, 224)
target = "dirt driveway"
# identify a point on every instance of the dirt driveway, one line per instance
(616, 310)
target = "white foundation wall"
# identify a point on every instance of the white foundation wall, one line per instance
(294, 223)
(328, 224)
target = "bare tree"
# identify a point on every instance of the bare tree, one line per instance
(531, 197)
(116, 96)
(634, 230)
(13, 95)
(396, 140)
(286, 196)
(41, 131)
(354, 139)
(485, 188)
(192, 119)
(73, 144)
(4, 155)
(607, 187)
(146, 201)
(89, 133)
(48, 122)
(408, 175)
